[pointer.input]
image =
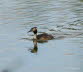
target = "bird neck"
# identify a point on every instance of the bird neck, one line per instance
(35, 36)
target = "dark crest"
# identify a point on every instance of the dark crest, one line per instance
(34, 30)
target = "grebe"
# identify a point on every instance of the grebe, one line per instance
(40, 37)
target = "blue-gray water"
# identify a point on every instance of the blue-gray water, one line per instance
(61, 18)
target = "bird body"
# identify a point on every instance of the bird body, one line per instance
(44, 36)
(41, 37)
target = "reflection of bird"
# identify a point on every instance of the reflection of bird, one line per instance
(41, 37)
(35, 49)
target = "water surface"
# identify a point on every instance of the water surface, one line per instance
(61, 18)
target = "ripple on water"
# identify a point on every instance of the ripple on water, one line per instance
(61, 18)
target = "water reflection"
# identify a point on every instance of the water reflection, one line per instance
(35, 48)
(35, 45)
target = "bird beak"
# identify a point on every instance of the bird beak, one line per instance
(29, 31)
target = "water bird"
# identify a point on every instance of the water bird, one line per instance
(41, 37)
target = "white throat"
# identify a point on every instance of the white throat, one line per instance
(35, 36)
